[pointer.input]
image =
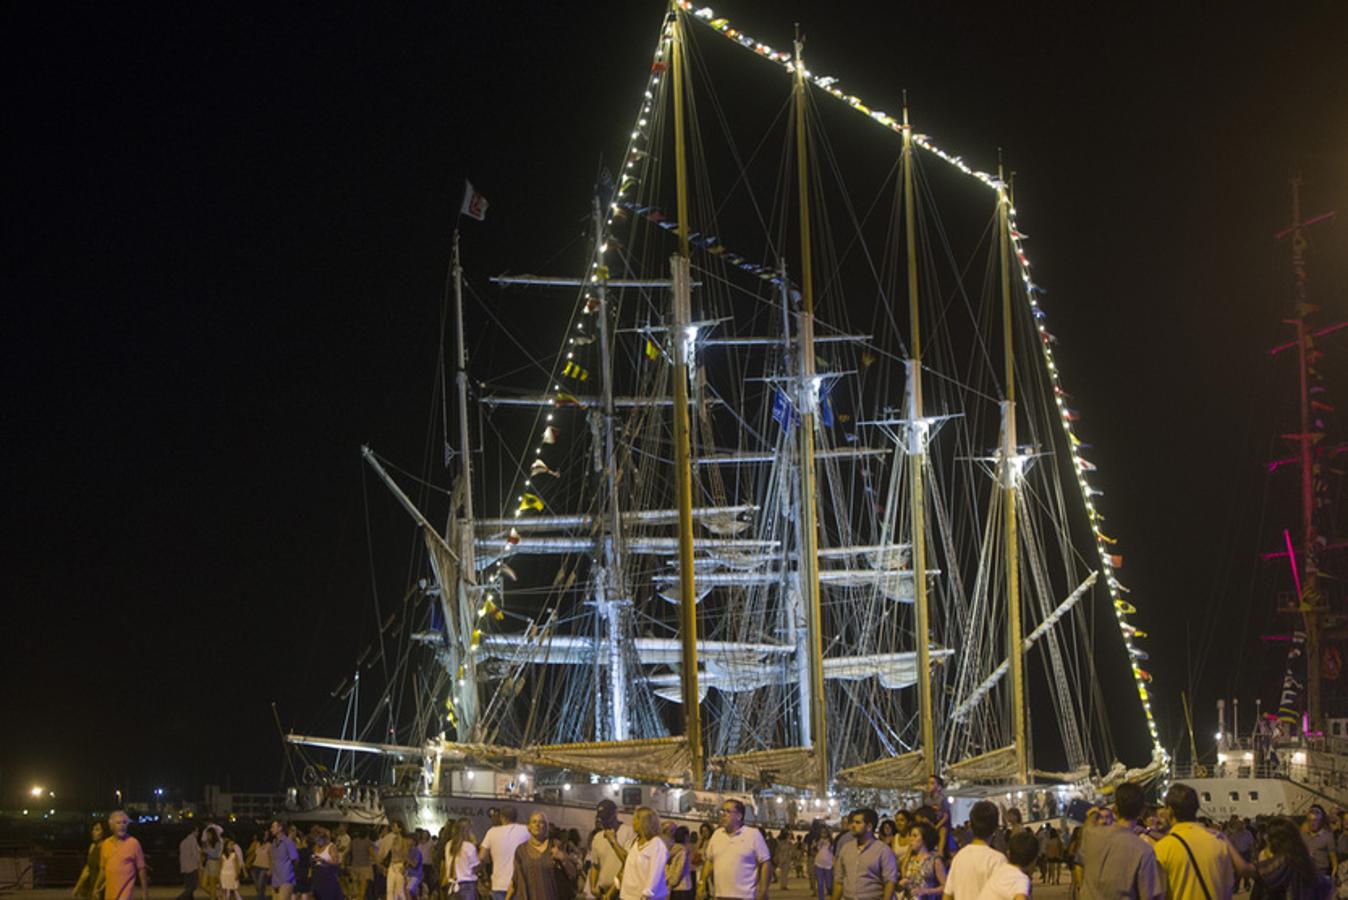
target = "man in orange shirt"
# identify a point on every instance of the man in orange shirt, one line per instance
(123, 861)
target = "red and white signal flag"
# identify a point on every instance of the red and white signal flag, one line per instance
(474, 204)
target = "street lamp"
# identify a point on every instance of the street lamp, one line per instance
(37, 791)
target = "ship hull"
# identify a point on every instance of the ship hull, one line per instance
(1221, 798)
(565, 807)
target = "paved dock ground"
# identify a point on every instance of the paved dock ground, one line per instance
(795, 891)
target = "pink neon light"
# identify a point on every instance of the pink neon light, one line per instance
(1291, 558)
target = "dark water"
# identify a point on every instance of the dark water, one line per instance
(58, 846)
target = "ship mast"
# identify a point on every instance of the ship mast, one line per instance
(1010, 472)
(917, 458)
(682, 338)
(610, 596)
(1309, 601)
(467, 565)
(809, 528)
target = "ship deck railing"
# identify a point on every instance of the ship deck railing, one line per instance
(1317, 762)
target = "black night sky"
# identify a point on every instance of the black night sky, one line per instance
(227, 228)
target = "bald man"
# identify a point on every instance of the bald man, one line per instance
(123, 861)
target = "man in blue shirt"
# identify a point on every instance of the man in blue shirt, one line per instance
(284, 857)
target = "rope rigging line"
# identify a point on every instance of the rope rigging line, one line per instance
(862, 499)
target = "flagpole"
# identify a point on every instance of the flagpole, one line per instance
(467, 559)
(683, 464)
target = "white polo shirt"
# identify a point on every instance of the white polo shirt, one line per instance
(735, 859)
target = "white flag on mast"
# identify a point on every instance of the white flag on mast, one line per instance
(474, 204)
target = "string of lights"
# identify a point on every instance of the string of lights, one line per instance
(1103, 543)
(529, 498)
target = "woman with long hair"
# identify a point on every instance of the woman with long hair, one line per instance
(211, 852)
(232, 869)
(923, 873)
(825, 850)
(459, 873)
(259, 863)
(93, 864)
(903, 829)
(644, 871)
(679, 869)
(1286, 871)
(1320, 840)
(704, 833)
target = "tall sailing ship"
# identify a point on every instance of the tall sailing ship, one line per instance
(796, 507)
(1295, 753)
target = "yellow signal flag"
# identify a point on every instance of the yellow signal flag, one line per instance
(571, 370)
(565, 399)
(530, 501)
(652, 350)
(867, 359)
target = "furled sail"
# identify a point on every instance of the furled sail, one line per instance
(1118, 773)
(580, 650)
(990, 766)
(727, 672)
(789, 766)
(907, 770)
(1080, 773)
(894, 670)
(652, 759)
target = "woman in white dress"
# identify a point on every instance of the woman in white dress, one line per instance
(231, 870)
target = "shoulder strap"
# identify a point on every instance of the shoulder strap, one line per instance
(1198, 873)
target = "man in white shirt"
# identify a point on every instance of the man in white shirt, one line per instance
(189, 863)
(498, 848)
(737, 859)
(608, 849)
(972, 866)
(1011, 880)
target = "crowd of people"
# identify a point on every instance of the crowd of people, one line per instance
(1129, 850)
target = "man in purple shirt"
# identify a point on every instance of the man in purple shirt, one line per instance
(284, 856)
